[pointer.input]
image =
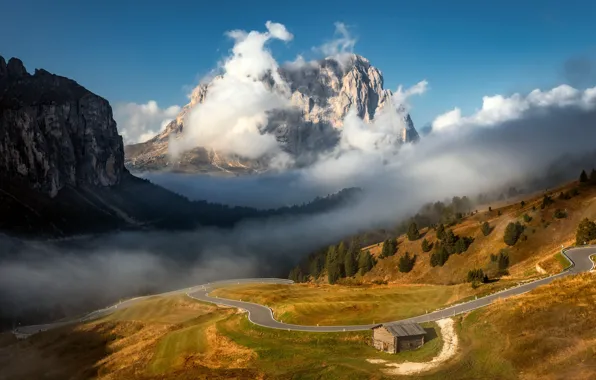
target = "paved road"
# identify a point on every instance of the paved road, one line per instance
(262, 315)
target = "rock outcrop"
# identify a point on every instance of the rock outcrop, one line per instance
(54, 132)
(322, 94)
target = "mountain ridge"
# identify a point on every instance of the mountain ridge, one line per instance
(322, 93)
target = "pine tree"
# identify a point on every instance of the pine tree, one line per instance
(350, 264)
(503, 260)
(316, 267)
(439, 257)
(441, 231)
(583, 177)
(485, 228)
(365, 262)
(512, 233)
(586, 232)
(426, 246)
(593, 176)
(332, 264)
(342, 250)
(413, 233)
(406, 263)
(389, 248)
(460, 246)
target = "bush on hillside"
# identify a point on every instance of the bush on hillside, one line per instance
(583, 177)
(559, 214)
(546, 201)
(413, 233)
(477, 275)
(486, 229)
(406, 263)
(426, 246)
(527, 218)
(440, 231)
(389, 248)
(512, 233)
(501, 260)
(439, 257)
(586, 232)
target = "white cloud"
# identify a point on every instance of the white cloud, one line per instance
(341, 47)
(499, 109)
(400, 96)
(140, 122)
(231, 118)
(279, 31)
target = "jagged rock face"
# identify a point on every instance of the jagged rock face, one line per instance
(322, 93)
(54, 132)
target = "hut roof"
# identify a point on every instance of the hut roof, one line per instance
(403, 329)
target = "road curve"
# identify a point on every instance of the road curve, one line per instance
(263, 316)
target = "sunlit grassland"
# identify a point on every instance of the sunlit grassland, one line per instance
(342, 305)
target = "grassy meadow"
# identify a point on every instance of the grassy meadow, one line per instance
(311, 304)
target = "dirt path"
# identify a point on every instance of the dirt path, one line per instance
(450, 344)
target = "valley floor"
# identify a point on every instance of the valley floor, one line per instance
(549, 333)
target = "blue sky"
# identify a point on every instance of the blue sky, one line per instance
(133, 51)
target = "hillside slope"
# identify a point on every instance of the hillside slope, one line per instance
(532, 255)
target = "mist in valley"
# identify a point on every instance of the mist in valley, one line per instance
(511, 140)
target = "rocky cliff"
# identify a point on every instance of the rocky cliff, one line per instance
(62, 167)
(322, 94)
(54, 132)
(62, 162)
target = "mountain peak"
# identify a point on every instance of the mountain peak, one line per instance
(321, 94)
(56, 133)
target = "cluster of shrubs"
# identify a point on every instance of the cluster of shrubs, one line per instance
(448, 244)
(501, 260)
(477, 275)
(513, 231)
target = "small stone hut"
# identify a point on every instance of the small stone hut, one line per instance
(397, 337)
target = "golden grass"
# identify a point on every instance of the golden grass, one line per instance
(156, 336)
(546, 334)
(544, 240)
(338, 305)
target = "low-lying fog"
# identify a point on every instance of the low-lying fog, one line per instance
(509, 140)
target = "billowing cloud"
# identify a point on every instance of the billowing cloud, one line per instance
(140, 122)
(232, 116)
(499, 109)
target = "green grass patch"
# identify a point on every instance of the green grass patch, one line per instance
(562, 260)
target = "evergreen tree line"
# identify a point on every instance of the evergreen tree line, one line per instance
(340, 261)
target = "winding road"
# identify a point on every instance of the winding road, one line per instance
(263, 316)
